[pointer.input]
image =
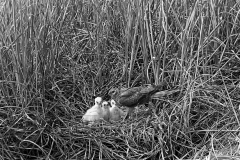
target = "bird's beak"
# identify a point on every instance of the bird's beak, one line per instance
(109, 103)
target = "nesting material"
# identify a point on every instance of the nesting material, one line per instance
(115, 113)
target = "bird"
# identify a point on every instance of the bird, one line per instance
(98, 102)
(105, 110)
(134, 96)
(95, 112)
(115, 112)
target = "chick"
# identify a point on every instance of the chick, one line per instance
(115, 112)
(98, 102)
(94, 113)
(105, 111)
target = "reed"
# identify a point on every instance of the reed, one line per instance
(56, 56)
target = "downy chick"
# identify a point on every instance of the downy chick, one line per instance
(115, 112)
(105, 111)
(94, 113)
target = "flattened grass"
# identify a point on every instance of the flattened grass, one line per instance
(56, 56)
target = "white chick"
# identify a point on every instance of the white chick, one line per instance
(105, 111)
(94, 113)
(98, 102)
(115, 112)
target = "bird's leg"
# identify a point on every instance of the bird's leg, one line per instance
(129, 111)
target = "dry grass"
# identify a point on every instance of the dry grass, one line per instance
(57, 55)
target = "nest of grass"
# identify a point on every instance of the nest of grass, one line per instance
(58, 133)
(56, 56)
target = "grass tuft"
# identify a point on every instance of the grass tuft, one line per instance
(57, 56)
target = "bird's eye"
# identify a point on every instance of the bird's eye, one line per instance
(112, 91)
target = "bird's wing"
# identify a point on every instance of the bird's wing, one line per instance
(131, 100)
(88, 117)
(129, 92)
(136, 95)
(94, 108)
(148, 90)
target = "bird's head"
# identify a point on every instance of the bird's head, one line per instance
(113, 103)
(98, 100)
(113, 92)
(105, 105)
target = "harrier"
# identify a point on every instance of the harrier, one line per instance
(132, 97)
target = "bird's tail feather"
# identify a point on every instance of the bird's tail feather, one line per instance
(163, 93)
(156, 87)
(151, 89)
(160, 86)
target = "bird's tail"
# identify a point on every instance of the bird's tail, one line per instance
(152, 88)
(160, 94)
(159, 86)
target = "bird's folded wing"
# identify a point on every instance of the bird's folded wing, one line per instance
(91, 117)
(163, 93)
(129, 92)
(130, 100)
(93, 110)
(147, 90)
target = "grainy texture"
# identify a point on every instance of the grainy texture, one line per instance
(56, 56)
